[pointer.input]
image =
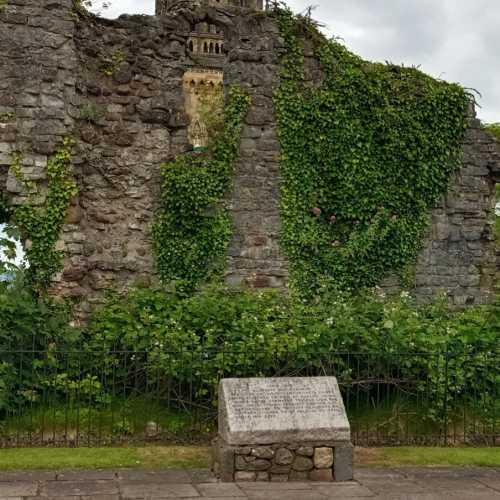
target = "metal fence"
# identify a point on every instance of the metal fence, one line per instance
(104, 398)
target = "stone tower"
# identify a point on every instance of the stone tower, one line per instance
(203, 83)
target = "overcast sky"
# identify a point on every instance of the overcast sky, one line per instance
(457, 40)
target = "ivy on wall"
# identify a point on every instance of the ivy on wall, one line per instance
(40, 226)
(193, 227)
(365, 154)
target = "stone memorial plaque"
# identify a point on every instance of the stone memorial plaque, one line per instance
(274, 410)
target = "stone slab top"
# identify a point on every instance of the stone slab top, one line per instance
(282, 410)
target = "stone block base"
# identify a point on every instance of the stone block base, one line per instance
(325, 461)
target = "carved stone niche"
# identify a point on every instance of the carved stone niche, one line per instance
(203, 91)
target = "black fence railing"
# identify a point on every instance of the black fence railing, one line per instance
(113, 397)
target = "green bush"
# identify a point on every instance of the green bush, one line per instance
(151, 341)
(217, 332)
(32, 331)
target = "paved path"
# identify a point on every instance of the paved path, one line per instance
(377, 484)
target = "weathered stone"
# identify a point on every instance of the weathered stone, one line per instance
(245, 450)
(283, 457)
(123, 75)
(263, 452)
(280, 469)
(296, 475)
(280, 410)
(254, 465)
(279, 478)
(306, 451)
(321, 475)
(323, 458)
(245, 476)
(223, 459)
(343, 462)
(74, 215)
(90, 134)
(302, 464)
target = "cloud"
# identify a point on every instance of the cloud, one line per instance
(457, 40)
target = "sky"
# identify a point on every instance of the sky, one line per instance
(456, 40)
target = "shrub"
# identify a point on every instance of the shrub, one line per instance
(32, 331)
(194, 341)
(180, 346)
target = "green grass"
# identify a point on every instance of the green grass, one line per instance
(183, 457)
(420, 456)
(194, 457)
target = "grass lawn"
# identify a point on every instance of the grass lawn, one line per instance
(420, 456)
(193, 457)
(171, 457)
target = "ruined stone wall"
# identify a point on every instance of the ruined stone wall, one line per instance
(117, 87)
(38, 65)
(254, 255)
(459, 257)
(130, 88)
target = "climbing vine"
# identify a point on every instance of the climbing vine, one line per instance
(365, 154)
(40, 226)
(193, 226)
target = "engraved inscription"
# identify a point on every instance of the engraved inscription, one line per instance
(258, 403)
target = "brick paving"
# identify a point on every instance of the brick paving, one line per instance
(377, 484)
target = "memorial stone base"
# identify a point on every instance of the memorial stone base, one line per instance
(282, 429)
(315, 461)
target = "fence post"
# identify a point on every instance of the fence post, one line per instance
(446, 388)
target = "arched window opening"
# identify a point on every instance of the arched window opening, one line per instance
(211, 49)
(191, 46)
(205, 47)
(217, 48)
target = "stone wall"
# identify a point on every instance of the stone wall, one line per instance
(254, 255)
(117, 87)
(137, 122)
(459, 257)
(38, 66)
(283, 462)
